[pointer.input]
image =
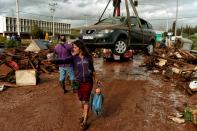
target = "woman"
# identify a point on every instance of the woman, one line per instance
(84, 74)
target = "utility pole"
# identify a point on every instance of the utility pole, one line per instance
(3, 29)
(17, 19)
(52, 9)
(167, 26)
(177, 6)
(86, 20)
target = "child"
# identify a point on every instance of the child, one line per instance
(97, 99)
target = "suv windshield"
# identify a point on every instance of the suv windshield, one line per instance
(118, 20)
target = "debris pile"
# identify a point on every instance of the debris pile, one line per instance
(188, 115)
(173, 61)
(17, 59)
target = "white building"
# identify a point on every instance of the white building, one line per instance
(8, 26)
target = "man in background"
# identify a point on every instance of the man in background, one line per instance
(62, 51)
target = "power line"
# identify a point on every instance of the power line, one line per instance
(189, 17)
(94, 19)
(72, 18)
(58, 17)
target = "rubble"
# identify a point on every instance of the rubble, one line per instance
(2, 88)
(173, 63)
(177, 120)
(5, 70)
(14, 59)
(193, 85)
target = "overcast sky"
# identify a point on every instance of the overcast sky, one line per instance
(76, 12)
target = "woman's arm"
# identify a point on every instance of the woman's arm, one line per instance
(91, 67)
(67, 60)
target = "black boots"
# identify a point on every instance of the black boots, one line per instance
(73, 86)
(62, 85)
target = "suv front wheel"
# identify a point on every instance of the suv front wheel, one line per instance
(120, 47)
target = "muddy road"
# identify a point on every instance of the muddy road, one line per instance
(135, 100)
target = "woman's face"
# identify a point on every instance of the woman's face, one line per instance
(76, 50)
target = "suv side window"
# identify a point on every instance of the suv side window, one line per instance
(133, 21)
(144, 24)
(150, 26)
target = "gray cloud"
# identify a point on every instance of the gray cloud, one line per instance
(77, 12)
(82, 4)
(66, 1)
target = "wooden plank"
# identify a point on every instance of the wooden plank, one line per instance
(43, 69)
(172, 60)
(8, 84)
(31, 64)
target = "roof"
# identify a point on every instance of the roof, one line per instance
(36, 46)
(41, 44)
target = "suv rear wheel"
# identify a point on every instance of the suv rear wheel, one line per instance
(150, 48)
(120, 47)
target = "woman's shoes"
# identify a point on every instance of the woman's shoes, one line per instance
(74, 91)
(65, 91)
(84, 126)
(81, 120)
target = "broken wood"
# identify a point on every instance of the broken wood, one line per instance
(8, 84)
(5, 70)
(172, 60)
(44, 70)
(24, 60)
(31, 64)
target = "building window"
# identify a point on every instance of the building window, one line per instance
(7, 21)
(14, 22)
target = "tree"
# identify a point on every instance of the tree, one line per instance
(187, 30)
(36, 32)
(74, 33)
(173, 27)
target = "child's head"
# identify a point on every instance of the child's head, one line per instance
(98, 91)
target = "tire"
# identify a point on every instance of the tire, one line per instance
(120, 47)
(91, 50)
(150, 48)
(107, 59)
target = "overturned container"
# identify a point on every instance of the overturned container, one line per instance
(193, 85)
(26, 77)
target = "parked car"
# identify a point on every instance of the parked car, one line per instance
(45, 42)
(109, 55)
(113, 33)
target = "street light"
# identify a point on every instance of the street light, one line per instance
(17, 21)
(86, 20)
(177, 6)
(3, 29)
(52, 9)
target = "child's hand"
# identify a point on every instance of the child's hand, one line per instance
(99, 83)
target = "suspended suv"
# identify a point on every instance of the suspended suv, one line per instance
(113, 33)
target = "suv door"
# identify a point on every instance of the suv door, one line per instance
(147, 32)
(136, 33)
(150, 31)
